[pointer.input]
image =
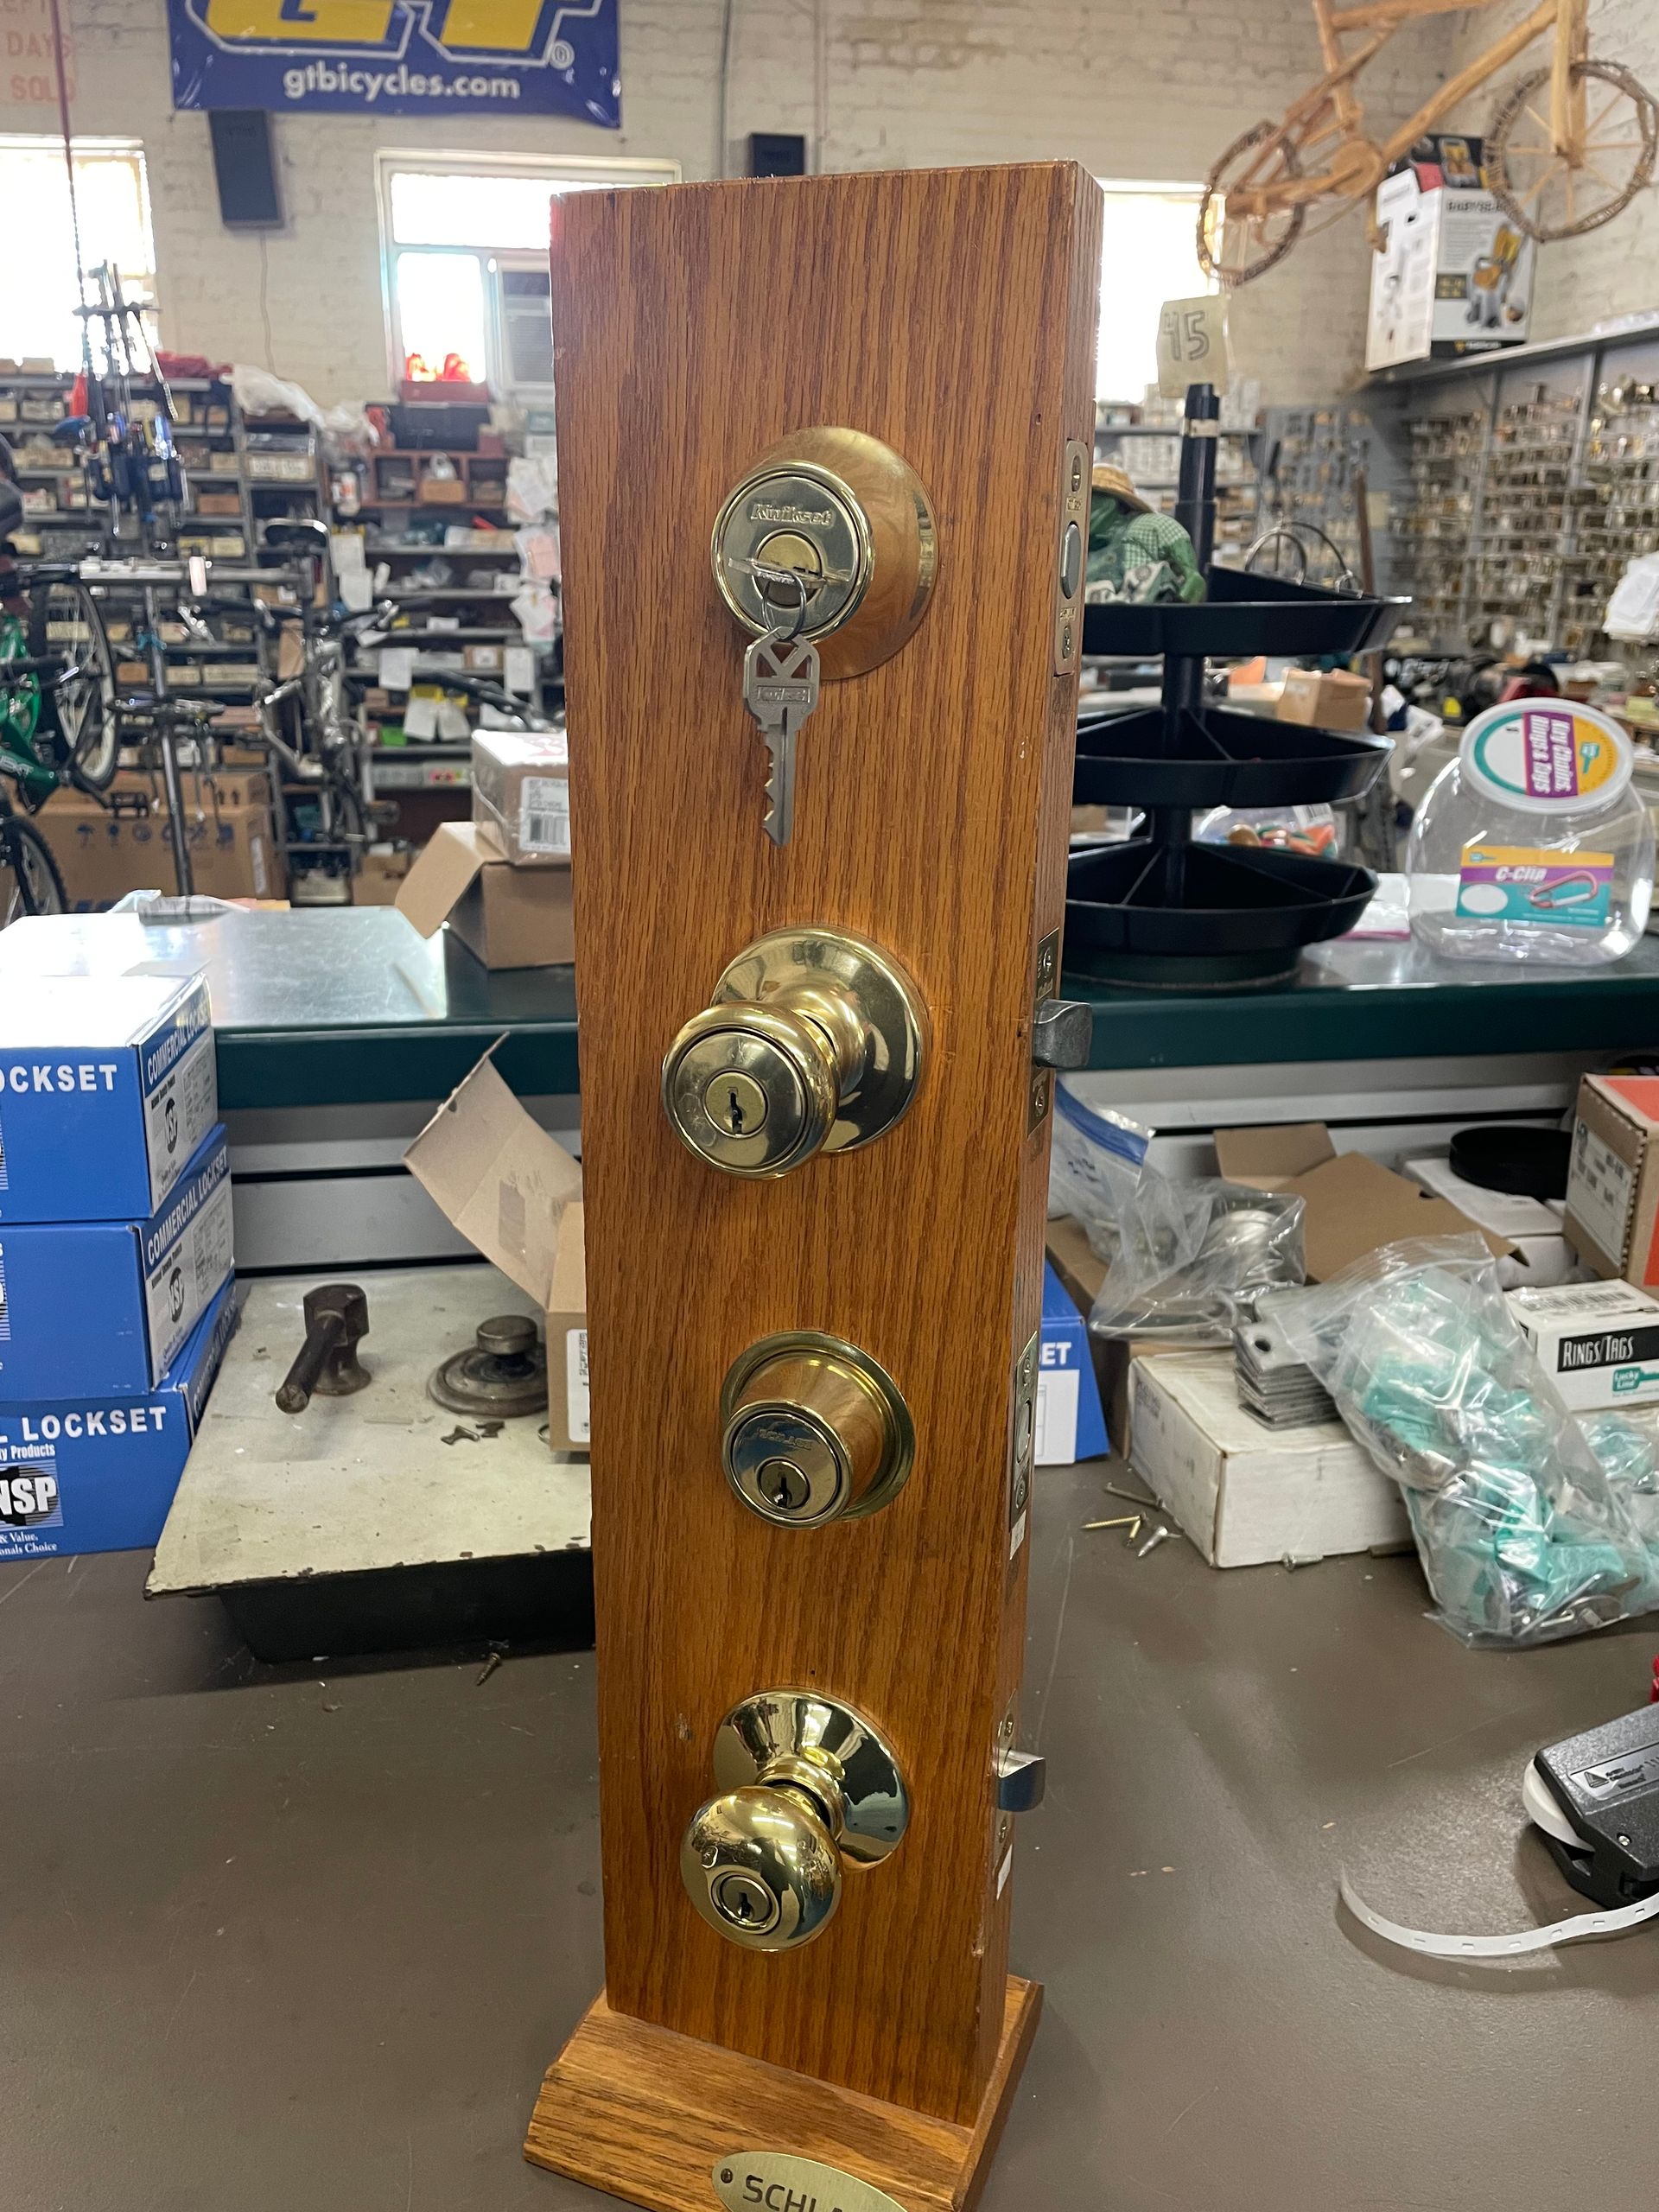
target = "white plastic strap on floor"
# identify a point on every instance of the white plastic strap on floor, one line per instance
(1500, 1946)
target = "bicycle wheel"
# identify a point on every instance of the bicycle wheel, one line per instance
(1547, 195)
(78, 713)
(1234, 248)
(29, 882)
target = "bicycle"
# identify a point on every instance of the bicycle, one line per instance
(1258, 196)
(65, 728)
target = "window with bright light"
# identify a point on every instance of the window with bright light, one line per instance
(1150, 253)
(465, 247)
(39, 292)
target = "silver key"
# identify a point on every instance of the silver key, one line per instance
(781, 689)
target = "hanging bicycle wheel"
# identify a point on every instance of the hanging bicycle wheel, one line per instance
(78, 713)
(29, 882)
(1235, 245)
(1552, 195)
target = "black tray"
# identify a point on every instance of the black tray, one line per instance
(1216, 757)
(1244, 916)
(1246, 613)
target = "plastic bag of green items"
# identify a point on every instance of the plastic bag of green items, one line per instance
(1523, 1536)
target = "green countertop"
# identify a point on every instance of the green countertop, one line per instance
(348, 1005)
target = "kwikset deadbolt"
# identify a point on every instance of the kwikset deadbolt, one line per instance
(813, 1430)
(813, 1043)
(846, 516)
(809, 1788)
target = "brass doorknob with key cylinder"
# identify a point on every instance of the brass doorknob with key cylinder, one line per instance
(813, 1430)
(849, 517)
(809, 1788)
(814, 1043)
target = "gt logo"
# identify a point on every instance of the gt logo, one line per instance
(313, 22)
(522, 28)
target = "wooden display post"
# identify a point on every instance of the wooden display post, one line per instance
(952, 316)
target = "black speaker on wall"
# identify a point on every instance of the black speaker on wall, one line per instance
(777, 153)
(244, 164)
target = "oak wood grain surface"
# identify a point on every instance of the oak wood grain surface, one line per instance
(951, 314)
(644, 2113)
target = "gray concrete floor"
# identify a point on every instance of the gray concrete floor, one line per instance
(302, 1940)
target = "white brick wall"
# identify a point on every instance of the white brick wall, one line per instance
(1132, 88)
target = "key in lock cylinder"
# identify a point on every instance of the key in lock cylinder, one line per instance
(846, 516)
(814, 1043)
(813, 1430)
(809, 1787)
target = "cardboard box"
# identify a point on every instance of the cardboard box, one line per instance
(566, 1337)
(98, 1473)
(1597, 1341)
(1327, 699)
(101, 1308)
(1244, 1493)
(108, 1086)
(521, 794)
(1353, 1204)
(1537, 1241)
(514, 1192)
(1081, 1274)
(103, 855)
(506, 917)
(1069, 1424)
(382, 875)
(1455, 272)
(1612, 1186)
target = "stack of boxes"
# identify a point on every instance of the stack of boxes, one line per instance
(502, 881)
(116, 1295)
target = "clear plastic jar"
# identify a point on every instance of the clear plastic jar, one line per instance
(1532, 845)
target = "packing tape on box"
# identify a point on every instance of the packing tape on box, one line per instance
(1573, 1931)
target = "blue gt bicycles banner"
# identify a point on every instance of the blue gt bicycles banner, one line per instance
(398, 57)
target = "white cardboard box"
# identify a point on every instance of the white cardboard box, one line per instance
(1597, 1341)
(1541, 1254)
(1245, 1493)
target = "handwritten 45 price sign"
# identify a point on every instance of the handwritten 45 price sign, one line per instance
(398, 57)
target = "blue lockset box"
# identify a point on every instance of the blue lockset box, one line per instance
(94, 1308)
(1070, 1423)
(107, 1089)
(98, 1474)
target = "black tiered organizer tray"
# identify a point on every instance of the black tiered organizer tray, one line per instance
(1160, 911)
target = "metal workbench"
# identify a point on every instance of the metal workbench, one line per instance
(341, 1029)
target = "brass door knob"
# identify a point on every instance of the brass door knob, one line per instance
(809, 1788)
(813, 1043)
(762, 1867)
(813, 1430)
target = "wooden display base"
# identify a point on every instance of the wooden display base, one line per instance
(645, 2114)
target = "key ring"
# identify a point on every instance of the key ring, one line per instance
(763, 572)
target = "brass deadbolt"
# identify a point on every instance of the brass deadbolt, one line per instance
(808, 1787)
(813, 1043)
(849, 517)
(813, 1430)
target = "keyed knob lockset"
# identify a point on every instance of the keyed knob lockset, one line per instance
(814, 1042)
(827, 550)
(807, 1786)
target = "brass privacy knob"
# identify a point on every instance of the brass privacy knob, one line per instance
(809, 1788)
(846, 516)
(813, 1043)
(812, 1430)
